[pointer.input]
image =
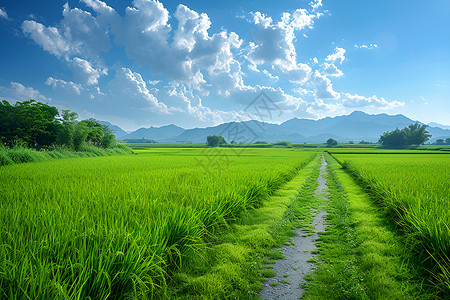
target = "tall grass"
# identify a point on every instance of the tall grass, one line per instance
(415, 190)
(116, 227)
(19, 154)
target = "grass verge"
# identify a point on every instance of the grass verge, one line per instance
(19, 155)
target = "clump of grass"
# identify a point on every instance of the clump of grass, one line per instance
(267, 273)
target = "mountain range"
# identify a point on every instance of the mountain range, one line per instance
(356, 126)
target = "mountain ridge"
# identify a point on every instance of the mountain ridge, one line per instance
(356, 126)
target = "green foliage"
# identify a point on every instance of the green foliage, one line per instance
(39, 125)
(414, 134)
(215, 140)
(31, 122)
(442, 141)
(331, 142)
(21, 154)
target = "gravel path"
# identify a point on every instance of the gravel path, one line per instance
(290, 272)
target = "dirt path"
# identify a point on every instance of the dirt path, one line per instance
(290, 272)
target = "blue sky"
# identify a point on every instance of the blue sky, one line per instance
(200, 63)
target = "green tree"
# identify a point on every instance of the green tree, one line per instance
(66, 130)
(108, 139)
(447, 141)
(414, 134)
(30, 121)
(331, 142)
(215, 140)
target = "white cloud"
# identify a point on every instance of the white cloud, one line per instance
(316, 4)
(355, 100)
(331, 70)
(84, 72)
(3, 13)
(190, 56)
(59, 83)
(280, 101)
(49, 38)
(337, 55)
(272, 77)
(19, 92)
(86, 36)
(130, 87)
(323, 88)
(302, 19)
(364, 46)
(274, 44)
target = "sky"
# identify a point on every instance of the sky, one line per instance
(198, 63)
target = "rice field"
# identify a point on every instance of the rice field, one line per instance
(116, 227)
(415, 190)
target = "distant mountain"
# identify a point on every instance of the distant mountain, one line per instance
(433, 124)
(246, 132)
(116, 130)
(357, 126)
(160, 134)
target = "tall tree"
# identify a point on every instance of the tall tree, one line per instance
(414, 134)
(215, 140)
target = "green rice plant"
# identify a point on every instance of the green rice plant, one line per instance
(119, 226)
(414, 190)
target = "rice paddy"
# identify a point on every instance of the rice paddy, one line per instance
(135, 226)
(117, 227)
(414, 189)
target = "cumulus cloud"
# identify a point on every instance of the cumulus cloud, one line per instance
(279, 101)
(274, 43)
(331, 70)
(302, 19)
(337, 55)
(322, 86)
(128, 84)
(49, 38)
(19, 92)
(84, 33)
(188, 54)
(59, 83)
(84, 72)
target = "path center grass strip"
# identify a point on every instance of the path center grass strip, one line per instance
(118, 227)
(361, 258)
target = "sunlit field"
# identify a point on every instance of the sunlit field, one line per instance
(415, 188)
(118, 226)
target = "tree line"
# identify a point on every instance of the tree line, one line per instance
(37, 125)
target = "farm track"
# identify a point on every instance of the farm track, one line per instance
(299, 257)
